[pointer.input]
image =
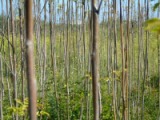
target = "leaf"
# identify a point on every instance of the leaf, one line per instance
(19, 101)
(44, 113)
(156, 6)
(117, 73)
(11, 109)
(38, 113)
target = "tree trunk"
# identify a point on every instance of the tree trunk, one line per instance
(30, 62)
(95, 61)
(124, 70)
(14, 74)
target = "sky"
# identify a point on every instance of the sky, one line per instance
(58, 2)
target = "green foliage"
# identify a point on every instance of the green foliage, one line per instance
(42, 109)
(107, 113)
(22, 110)
(78, 80)
(43, 113)
(154, 81)
(151, 106)
(153, 25)
(156, 6)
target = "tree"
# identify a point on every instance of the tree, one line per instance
(30, 62)
(95, 61)
(13, 62)
(124, 80)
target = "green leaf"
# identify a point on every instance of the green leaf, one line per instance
(11, 109)
(44, 113)
(156, 6)
(19, 101)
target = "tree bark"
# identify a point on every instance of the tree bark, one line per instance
(14, 74)
(95, 61)
(30, 62)
(124, 70)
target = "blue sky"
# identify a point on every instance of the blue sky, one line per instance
(58, 2)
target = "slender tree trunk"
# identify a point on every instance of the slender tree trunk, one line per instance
(128, 60)
(10, 61)
(115, 85)
(44, 60)
(124, 78)
(1, 88)
(109, 51)
(158, 48)
(22, 48)
(1, 66)
(139, 58)
(14, 75)
(30, 62)
(67, 61)
(22, 51)
(89, 66)
(145, 64)
(158, 45)
(95, 61)
(53, 52)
